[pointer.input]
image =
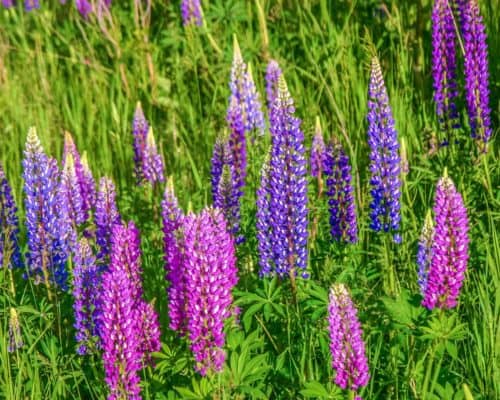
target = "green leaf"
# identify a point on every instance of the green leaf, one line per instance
(315, 389)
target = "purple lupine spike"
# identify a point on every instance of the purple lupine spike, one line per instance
(87, 185)
(340, 193)
(47, 219)
(273, 72)
(106, 217)
(444, 64)
(287, 189)
(86, 306)
(227, 200)
(15, 337)
(31, 4)
(263, 223)
(151, 331)
(10, 255)
(8, 3)
(221, 153)
(70, 190)
(84, 7)
(191, 12)
(450, 247)
(346, 341)
(476, 74)
(212, 275)
(119, 335)
(173, 245)
(244, 93)
(317, 158)
(237, 142)
(384, 157)
(424, 252)
(140, 128)
(153, 164)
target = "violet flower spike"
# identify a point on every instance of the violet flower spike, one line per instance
(263, 223)
(317, 158)
(227, 200)
(476, 74)
(8, 3)
(273, 72)
(150, 331)
(444, 65)
(10, 255)
(346, 341)
(153, 164)
(106, 217)
(385, 161)
(343, 221)
(84, 7)
(221, 154)
(70, 190)
(212, 276)
(450, 247)
(237, 142)
(191, 12)
(424, 252)
(30, 5)
(140, 128)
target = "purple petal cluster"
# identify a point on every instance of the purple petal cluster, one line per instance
(212, 275)
(424, 252)
(346, 341)
(237, 142)
(340, 194)
(444, 64)
(273, 72)
(106, 217)
(31, 4)
(86, 288)
(385, 161)
(8, 3)
(84, 7)
(47, 219)
(285, 224)
(70, 191)
(153, 164)
(173, 245)
(476, 73)
(10, 256)
(87, 186)
(450, 247)
(263, 222)
(317, 158)
(140, 129)
(191, 12)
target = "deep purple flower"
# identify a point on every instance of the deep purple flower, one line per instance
(47, 219)
(424, 252)
(273, 72)
(106, 216)
(84, 7)
(212, 275)
(153, 164)
(150, 331)
(385, 161)
(140, 128)
(10, 255)
(285, 226)
(70, 190)
(86, 289)
(450, 247)
(237, 142)
(15, 337)
(263, 223)
(317, 158)
(87, 186)
(444, 64)
(173, 245)
(221, 154)
(31, 4)
(340, 193)
(191, 12)
(476, 74)
(346, 341)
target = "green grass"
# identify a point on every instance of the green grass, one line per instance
(58, 73)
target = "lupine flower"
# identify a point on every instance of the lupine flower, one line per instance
(237, 142)
(47, 220)
(244, 93)
(8, 3)
(153, 164)
(173, 244)
(227, 200)
(449, 248)
(191, 12)
(317, 151)
(10, 255)
(15, 337)
(86, 288)
(84, 7)
(444, 64)
(87, 185)
(287, 191)
(340, 194)
(384, 157)
(140, 128)
(424, 252)
(263, 223)
(221, 155)
(106, 216)
(31, 4)
(476, 74)
(150, 331)
(70, 190)
(273, 72)
(119, 334)
(212, 275)
(346, 341)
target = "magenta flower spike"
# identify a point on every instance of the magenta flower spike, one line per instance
(346, 341)
(450, 247)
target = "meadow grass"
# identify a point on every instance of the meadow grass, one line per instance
(60, 73)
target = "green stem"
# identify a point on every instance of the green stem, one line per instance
(428, 372)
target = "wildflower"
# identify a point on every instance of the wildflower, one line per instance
(106, 217)
(153, 164)
(140, 129)
(273, 72)
(191, 12)
(263, 223)
(424, 253)
(317, 152)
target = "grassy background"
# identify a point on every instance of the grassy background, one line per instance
(59, 72)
